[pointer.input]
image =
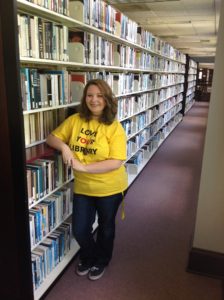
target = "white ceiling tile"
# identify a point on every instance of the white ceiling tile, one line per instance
(189, 21)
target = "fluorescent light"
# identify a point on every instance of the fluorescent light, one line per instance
(169, 23)
(139, 2)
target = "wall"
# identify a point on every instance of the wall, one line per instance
(209, 228)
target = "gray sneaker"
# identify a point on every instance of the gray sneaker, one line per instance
(82, 268)
(96, 272)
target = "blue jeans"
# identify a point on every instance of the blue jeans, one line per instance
(98, 250)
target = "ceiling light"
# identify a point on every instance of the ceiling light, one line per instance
(169, 23)
(139, 2)
(168, 36)
(179, 22)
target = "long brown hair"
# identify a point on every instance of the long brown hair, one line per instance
(110, 110)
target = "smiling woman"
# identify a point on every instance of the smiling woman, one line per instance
(93, 142)
(98, 102)
(95, 101)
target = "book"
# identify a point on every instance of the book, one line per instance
(78, 82)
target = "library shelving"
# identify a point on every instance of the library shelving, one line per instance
(61, 46)
(190, 83)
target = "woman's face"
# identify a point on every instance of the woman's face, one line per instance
(95, 101)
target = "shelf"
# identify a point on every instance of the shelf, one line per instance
(40, 149)
(51, 192)
(60, 267)
(26, 112)
(25, 6)
(57, 270)
(36, 62)
(50, 232)
(152, 121)
(131, 178)
(147, 91)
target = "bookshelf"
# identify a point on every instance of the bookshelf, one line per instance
(190, 84)
(146, 74)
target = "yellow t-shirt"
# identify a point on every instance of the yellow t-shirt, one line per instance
(90, 142)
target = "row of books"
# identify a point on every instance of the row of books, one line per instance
(172, 112)
(147, 61)
(170, 121)
(49, 213)
(123, 83)
(193, 65)
(44, 175)
(164, 93)
(148, 41)
(44, 88)
(99, 14)
(189, 103)
(192, 71)
(170, 91)
(163, 129)
(169, 108)
(95, 13)
(51, 251)
(39, 38)
(88, 48)
(190, 97)
(128, 106)
(136, 159)
(191, 90)
(191, 77)
(129, 83)
(103, 16)
(58, 6)
(38, 125)
(191, 84)
(166, 105)
(137, 141)
(142, 137)
(136, 123)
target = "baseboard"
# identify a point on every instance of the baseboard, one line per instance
(206, 263)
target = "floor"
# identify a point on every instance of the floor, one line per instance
(153, 242)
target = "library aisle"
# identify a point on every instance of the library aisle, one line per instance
(153, 242)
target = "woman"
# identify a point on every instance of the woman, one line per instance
(93, 143)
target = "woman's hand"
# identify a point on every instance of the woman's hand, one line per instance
(67, 155)
(78, 166)
(69, 159)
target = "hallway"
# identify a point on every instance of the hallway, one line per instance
(153, 242)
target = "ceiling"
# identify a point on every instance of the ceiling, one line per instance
(189, 25)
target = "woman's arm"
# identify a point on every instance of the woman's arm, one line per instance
(68, 158)
(59, 145)
(98, 167)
